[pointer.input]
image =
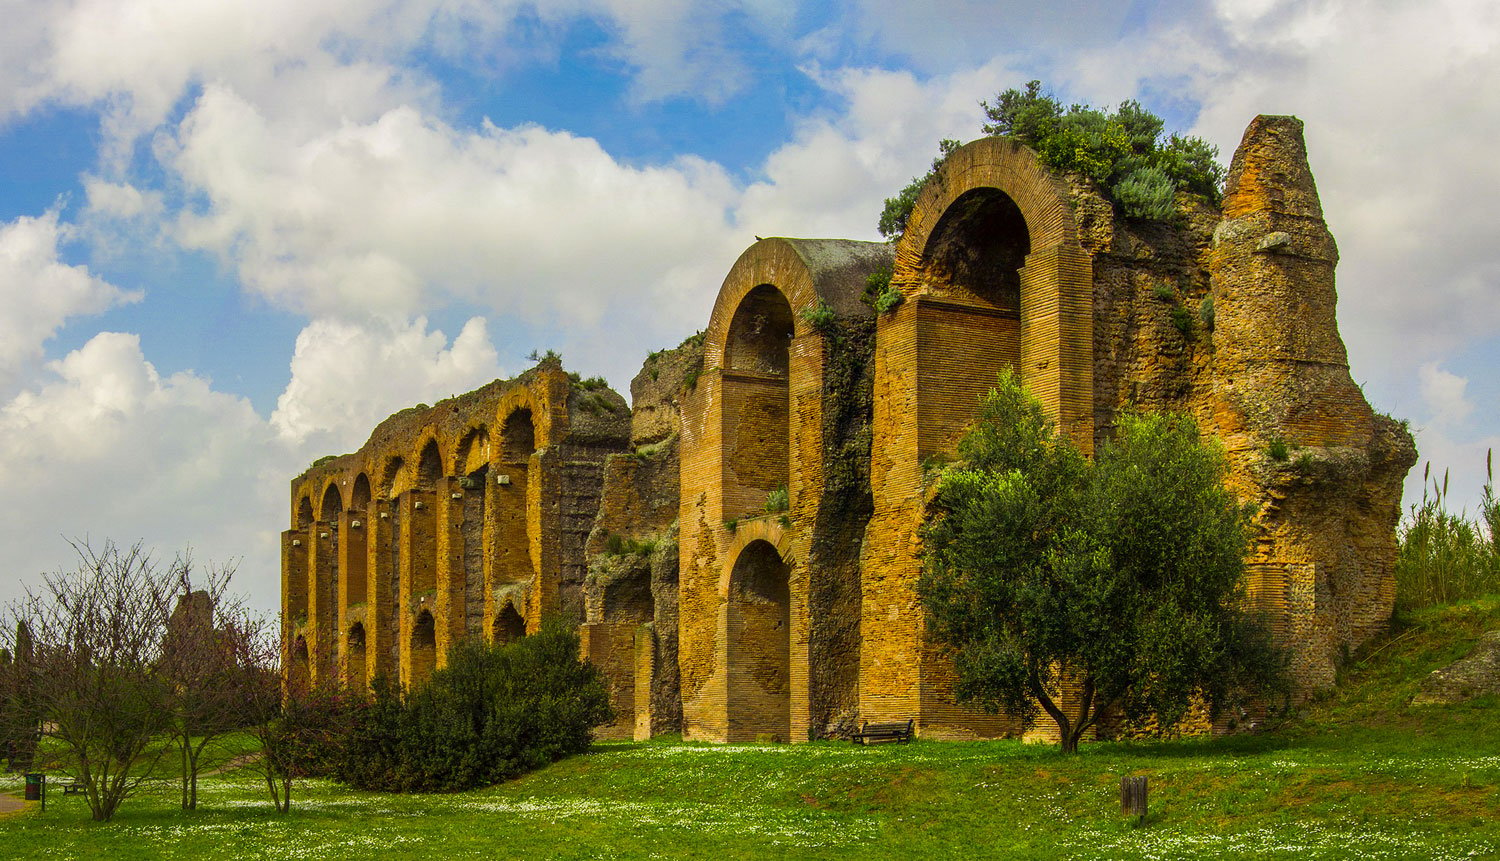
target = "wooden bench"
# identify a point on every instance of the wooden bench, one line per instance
(72, 786)
(874, 733)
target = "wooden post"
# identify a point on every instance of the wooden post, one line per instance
(1133, 797)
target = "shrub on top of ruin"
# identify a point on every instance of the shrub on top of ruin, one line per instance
(1277, 449)
(898, 209)
(1206, 312)
(1124, 152)
(494, 712)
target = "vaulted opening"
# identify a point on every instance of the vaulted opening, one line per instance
(509, 626)
(760, 333)
(473, 463)
(978, 247)
(518, 437)
(756, 401)
(423, 649)
(759, 647)
(356, 585)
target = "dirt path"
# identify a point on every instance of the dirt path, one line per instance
(10, 804)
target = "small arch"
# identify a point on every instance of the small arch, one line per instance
(423, 648)
(391, 477)
(333, 504)
(759, 646)
(359, 498)
(429, 466)
(760, 333)
(354, 658)
(518, 436)
(304, 512)
(509, 626)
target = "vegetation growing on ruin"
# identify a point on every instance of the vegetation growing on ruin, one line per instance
(1124, 151)
(880, 294)
(1409, 781)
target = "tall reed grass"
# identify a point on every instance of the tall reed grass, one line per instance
(1448, 556)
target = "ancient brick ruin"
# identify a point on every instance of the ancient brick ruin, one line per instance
(740, 545)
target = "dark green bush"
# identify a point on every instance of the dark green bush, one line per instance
(492, 713)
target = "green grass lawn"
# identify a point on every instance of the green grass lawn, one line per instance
(1358, 774)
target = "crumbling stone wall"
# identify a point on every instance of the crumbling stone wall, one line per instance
(742, 545)
(467, 518)
(630, 595)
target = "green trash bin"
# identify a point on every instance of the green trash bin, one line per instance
(35, 785)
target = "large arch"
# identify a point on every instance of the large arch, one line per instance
(995, 213)
(992, 276)
(356, 579)
(758, 645)
(754, 423)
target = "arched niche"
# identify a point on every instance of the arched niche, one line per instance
(760, 333)
(978, 247)
(355, 658)
(509, 626)
(473, 462)
(304, 512)
(429, 465)
(423, 649)
(356, 579)
(991, 247)
(756, 395)
(759, 644)
(518, 437)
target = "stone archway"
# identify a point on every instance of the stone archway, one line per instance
(423, 650)
(759, 645)
(355, 667)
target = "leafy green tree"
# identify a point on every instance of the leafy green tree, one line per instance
(1118, 579)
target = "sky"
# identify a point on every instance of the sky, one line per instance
(234, 235)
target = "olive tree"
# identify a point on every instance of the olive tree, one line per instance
(1118, 579)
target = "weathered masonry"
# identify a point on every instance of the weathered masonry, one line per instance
(740, 546)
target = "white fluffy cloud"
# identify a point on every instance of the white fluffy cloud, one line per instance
(104, 446)
(346, 377)
(390, 216)
(831, 179)
(40, 292)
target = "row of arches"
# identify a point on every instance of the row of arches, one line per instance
(402, 555)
